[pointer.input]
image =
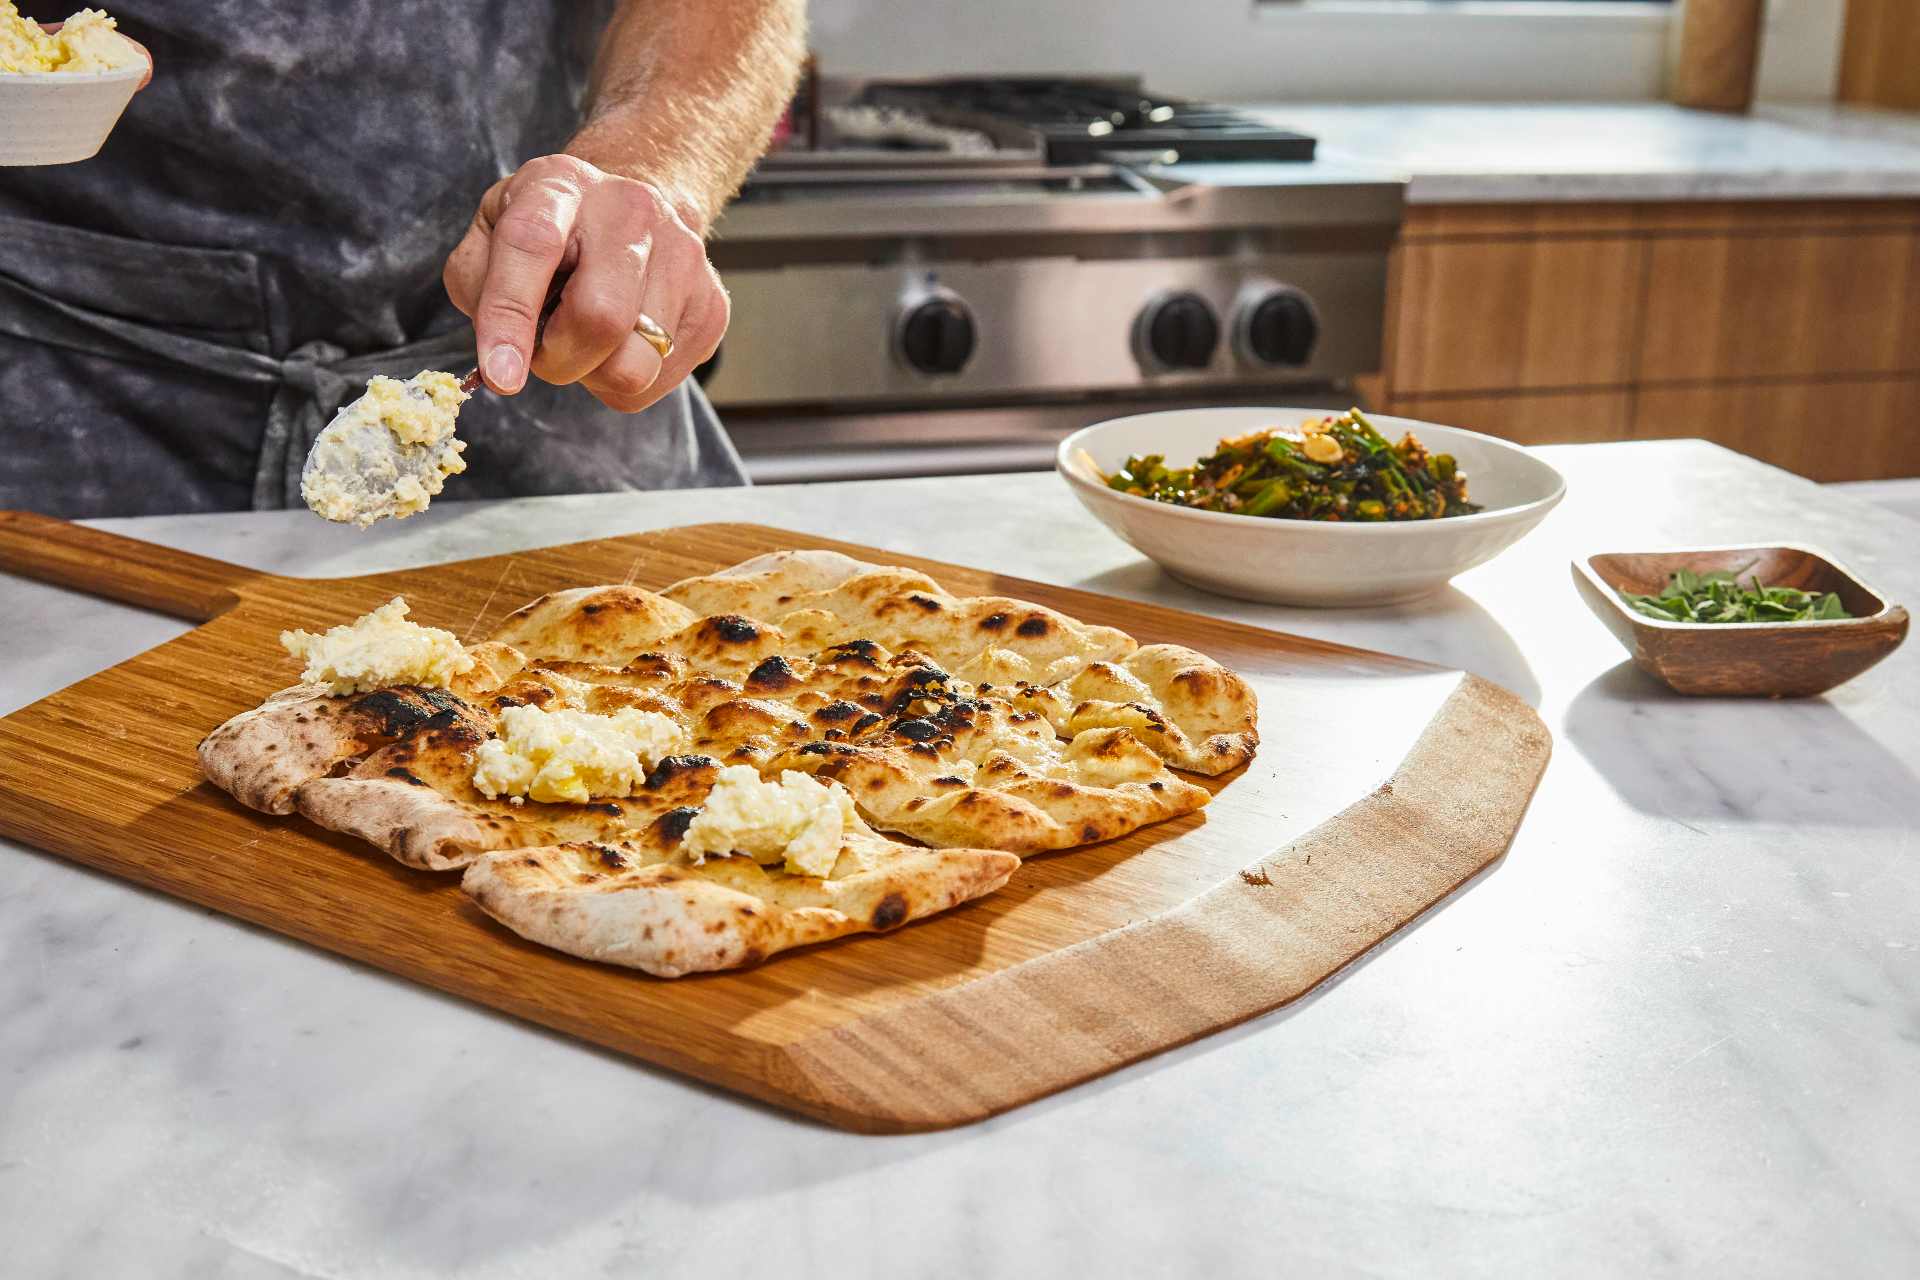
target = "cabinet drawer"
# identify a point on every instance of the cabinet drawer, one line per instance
(1578, 417)
(1505, 314)
(1857, 430)
(1779, 306)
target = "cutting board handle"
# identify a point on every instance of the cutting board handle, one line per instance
(177, 583)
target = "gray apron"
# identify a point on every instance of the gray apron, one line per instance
(265, 230)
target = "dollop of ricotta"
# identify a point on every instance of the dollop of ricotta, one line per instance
(85, 42)
(425, 418)
(798, 822)
(564, 756)
(377, 650)
(389, 453)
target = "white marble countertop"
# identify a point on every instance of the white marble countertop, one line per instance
(1675, 1031)
(1458, 153)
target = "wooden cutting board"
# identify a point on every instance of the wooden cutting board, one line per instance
(1380, 786)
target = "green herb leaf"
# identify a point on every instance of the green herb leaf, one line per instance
(1718, 596)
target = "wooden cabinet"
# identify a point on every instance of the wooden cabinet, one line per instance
(1851, 430)
(1515, 314)
(1799, 304)
(1787, 330)
(1880, 57)
(1547, 417)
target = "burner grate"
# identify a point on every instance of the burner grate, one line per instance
(1081, 122)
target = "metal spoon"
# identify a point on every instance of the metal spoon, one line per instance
(359, 472)
(648, 329)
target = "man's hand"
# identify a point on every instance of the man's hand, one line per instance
(624, 252)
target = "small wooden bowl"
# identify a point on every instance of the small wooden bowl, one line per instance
(1743, 659)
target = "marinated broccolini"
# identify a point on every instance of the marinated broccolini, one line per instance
(1338, 468)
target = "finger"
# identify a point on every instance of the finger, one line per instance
(640, 375)
(466, 268)
(597, 311)
(629, 380)
(671, 281)
(529, 242)
(701, 323)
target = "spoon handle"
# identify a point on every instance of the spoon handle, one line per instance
(472, 382)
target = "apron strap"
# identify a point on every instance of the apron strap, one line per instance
(309, 384)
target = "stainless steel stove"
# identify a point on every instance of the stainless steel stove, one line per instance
(957, 272)
(1090, 121)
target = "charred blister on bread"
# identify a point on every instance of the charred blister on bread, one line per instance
(774, 675)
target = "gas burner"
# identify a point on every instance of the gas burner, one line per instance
(1081, 122)
(974, 301)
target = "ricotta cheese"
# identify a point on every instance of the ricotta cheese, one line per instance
(798, 822)
(377, 650)
(85, 42)
(558, 757)
(420, 410)
(389, 453)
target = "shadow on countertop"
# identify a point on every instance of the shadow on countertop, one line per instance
(1741, 760)
(1448, 628)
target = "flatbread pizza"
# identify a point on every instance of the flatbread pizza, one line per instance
(798, 748)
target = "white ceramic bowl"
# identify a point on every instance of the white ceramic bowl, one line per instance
(1308, 562)
(63, 116)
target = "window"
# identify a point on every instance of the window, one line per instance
(1436, 50)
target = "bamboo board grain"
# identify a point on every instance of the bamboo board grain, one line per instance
(1381, 785)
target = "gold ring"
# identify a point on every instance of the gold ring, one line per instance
(656, 337)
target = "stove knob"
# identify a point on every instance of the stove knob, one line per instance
(1177, 331)
(1277, 327)
(936, 335)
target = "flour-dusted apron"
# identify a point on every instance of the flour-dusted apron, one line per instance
(265, 230)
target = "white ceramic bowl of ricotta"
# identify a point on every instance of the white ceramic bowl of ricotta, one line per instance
(58, 117)
(1307, 562)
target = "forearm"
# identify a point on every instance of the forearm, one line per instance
(685, 94)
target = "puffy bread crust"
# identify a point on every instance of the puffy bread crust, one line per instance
(650, 670)
(1212, 704)
(1007, 806)
(261, 757)
(612, 624)
(821, 598)
(726, 645)
(756, 587)
(669, 920)
(410, 821)
(1040, 815)
(494, 663)
(417, 802)
(1198, 715)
